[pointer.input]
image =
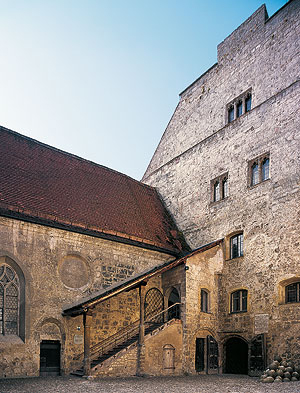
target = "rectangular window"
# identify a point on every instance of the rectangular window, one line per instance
(230, 114)
(293, 293)
(239, 109)
(248, 102)
(204, 300)
(239, 301)
(236, 246)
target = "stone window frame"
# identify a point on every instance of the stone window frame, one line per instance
(4, 260)
(242, 293)
(282, 294)
(228, 245)
(205, 306)
(232, 108)
(219, 180)
(259, 163)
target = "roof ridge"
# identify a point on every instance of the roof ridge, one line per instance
(45, 145)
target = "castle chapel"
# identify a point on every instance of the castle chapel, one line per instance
(195, 269)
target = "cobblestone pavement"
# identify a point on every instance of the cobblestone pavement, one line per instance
(195, 384)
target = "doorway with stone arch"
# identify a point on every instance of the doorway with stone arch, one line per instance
(236, 356)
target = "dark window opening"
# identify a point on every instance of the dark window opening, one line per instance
(239, 301)
(248, 103)
(230, 114)
(225, 187)
(174, 298)
(292, 293)
(204, 301)
(236, 246)
(239, 109)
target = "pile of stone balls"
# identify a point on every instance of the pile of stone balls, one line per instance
(280, 371)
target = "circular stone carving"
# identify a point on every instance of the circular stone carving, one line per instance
(74, 272)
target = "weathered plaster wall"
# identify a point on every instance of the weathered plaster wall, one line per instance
(61, 267)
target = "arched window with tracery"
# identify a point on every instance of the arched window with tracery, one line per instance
(9, 300)
(12, 299)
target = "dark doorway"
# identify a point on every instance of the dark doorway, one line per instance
(212, 354)
(236, 355)
(257, 356)
(50, 358)
(199, 357)
(174, 298)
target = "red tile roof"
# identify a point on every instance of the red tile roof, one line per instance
(41, 182)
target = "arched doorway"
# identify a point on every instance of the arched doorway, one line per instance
(236, 356)
(154, 304)
(174, 298)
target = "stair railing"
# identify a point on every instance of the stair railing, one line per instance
(127, 333)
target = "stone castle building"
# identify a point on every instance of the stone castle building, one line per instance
(196, 269)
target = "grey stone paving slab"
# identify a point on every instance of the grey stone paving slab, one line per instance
(194, 384)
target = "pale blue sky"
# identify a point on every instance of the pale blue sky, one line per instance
(100, 78)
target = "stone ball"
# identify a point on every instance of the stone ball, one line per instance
(273, 366)
(281, 368)
(272, 373)
(286, 380)
(294, 379)
(284, 363)
(290, 364)
(268, 380)
(278, 358)
(279, 373)
(295, 374)
(289, 369)
(287, 375)
(278, 379)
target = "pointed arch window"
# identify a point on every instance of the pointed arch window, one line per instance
(219, 188)
(9, 300)
(259, 169)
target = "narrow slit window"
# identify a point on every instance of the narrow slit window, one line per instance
(265, 169)
(254, 174)
(248, 103)
(217, 195)
(225, 188)
(204, 300)
(239, 109)
(230, 114)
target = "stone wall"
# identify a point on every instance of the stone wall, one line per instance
(61, 267)
(199, 145)
(258, 55)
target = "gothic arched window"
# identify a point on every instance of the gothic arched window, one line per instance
(9, 300)
(12, 299)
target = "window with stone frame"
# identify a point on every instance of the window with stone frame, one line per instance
(219, 188)
(238, 301)
(239, 106)
(292, 293)
(259, 169)
(237, 246)
(204, 300)
(9, 301)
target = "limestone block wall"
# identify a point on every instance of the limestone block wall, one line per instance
(203, 273)
(60, 267)
(259, 55)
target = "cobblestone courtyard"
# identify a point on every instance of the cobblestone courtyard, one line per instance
(199, 384)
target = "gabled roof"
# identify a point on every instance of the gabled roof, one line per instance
(81, 305)
(45, 185)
